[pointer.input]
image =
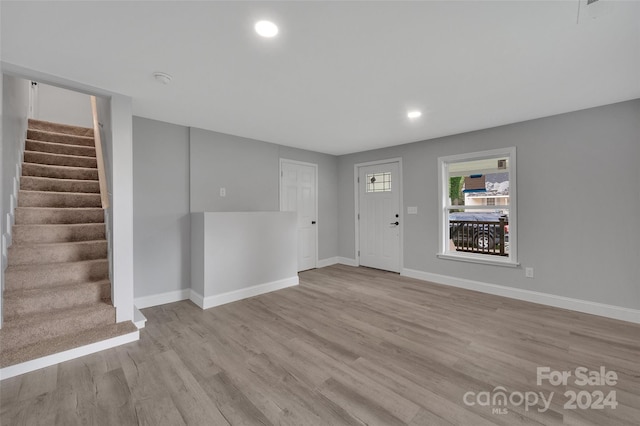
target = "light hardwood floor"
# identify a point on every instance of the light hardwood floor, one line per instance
(349, 346)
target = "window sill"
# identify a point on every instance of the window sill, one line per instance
(483, 259)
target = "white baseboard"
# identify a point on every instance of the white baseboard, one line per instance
(347, 261)
(139, 320)
(327, 262)
(211, 301)
(585, 306)
(162, 298)
(36, 364)
(337, 260)
(197, 298)
(233, 296)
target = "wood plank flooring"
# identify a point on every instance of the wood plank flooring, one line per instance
(349, 346)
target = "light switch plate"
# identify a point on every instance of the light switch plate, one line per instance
(412, 210)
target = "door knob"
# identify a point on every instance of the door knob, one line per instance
(313, 222)
(395, 223)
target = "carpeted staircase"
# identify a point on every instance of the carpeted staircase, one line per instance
(57, 291)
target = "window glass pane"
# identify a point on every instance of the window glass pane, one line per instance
(495, 192)
(470, 188)
(378, 182)
(476, 220)
(484, 232)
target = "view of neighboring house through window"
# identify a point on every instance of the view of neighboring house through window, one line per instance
(478, 205)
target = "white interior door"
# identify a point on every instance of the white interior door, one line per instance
(379, 216)
(298, 193)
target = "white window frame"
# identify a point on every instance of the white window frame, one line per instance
(444, 206)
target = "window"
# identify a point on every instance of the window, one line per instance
(478, 207)
(378, 182)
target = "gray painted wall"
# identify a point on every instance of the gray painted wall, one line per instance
(161, 220)
(574, 171)
(247, 168)
(63, 106)
(578, 194)
(179, 169)
(249, 171)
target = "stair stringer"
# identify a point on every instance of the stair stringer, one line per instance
(7, 236)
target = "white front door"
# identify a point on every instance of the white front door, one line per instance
(298, 193)
(379, 220)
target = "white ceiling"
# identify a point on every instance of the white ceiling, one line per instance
(340, 76)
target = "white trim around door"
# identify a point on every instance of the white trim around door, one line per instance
(356, 195)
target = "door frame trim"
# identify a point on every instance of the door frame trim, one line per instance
(356, 195)
(280, 173)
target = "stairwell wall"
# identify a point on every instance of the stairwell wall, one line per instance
(60, 105)
(14, 118)
(15, 111)
(121, 218)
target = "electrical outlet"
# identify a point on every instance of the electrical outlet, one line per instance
(223, 192)
(528, 272)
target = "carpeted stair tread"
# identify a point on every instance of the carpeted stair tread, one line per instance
(67, 129)
(59, 159)
(59, 148)
(58, 215)
(32, 301)
(17, 277)
(63, 343)
(60, 172)
(37, 183)
(65, 138)
(45, 317)
(49, 233)
(29, 329)
(36, 253)
(58, 199)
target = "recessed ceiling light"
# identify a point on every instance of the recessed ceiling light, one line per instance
(162, 77)
(414, 114)
(266, 29)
